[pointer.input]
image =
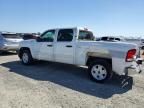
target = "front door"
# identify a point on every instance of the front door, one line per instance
(64, 48)
(47, 47)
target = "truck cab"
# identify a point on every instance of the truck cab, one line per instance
(59, 45)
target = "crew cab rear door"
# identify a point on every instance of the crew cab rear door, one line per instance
(64, 47)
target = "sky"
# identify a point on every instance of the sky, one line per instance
(104, 17)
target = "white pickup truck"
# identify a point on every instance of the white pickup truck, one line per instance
(77, 46)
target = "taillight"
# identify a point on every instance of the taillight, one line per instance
(130, 55)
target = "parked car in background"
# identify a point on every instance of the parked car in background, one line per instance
(137, 41)
(29, 36)
(142, 45)
(77, 46)
(9, 41)
(110, 38)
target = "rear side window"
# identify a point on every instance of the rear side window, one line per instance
(65, 35)
(86, 35)
(12, 36)
(111, 39)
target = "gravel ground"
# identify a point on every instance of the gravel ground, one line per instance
(54, 85)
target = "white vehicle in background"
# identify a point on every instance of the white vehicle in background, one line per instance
(77, 46)
(138, 41)
(9, 41)
(142, 43)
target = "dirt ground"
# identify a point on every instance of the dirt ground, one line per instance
(55, 85)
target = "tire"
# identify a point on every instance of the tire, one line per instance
(100, 71)
(26, 57)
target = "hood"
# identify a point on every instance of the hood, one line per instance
(27, 41)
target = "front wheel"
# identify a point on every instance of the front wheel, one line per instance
(100, 71)
(26, 57)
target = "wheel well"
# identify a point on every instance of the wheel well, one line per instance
(91, 59)
(21, 51)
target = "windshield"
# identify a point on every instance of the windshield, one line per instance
(86, 35)
(11, 36)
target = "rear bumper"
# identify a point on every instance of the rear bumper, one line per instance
(120, 67)
(136, 66)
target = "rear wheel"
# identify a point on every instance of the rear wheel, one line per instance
(100, 71)
(26, 57)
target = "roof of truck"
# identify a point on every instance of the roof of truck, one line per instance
(83, 28)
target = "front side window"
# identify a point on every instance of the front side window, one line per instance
(48, 36)
(86, 35)
(65, 35)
